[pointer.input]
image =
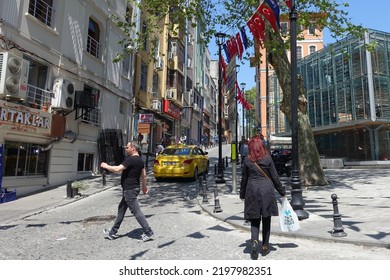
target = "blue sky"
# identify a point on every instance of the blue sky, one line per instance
(360, 12)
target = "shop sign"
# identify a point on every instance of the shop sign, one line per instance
(22, 118)
(146, 118)
(171, 109)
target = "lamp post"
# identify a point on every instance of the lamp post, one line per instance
(219, 39)
(297, 202)
(234, 155)
(243, 111)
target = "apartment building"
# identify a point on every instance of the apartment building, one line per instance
(268, 115)
(63, 99)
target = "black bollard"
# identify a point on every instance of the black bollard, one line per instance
(200, 185)
(205, 182)
(69, 191)
(338, 229)
(204, 186)
(215, 169)
(217, 206)
(104, 177)
(227, 162)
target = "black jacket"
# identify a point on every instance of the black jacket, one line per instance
(258, 191)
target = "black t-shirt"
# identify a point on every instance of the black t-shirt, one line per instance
(130, 178)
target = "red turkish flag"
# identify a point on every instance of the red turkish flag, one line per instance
(256, 26)
(269, 15)
(232, 46)
(240, 46)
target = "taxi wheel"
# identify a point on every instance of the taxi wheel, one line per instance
(195, 178)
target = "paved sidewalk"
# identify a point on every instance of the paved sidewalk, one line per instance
(363, 202)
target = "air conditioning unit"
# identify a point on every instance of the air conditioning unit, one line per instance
(170, 55)
(170, 94)
(156, 105)
(64, 95)
(13, 76)
(196, 107)
(158, 64)
(189, 63)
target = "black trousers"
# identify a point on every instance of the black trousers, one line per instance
(266, 229)
(129, 200)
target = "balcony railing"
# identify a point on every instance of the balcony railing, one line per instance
(93, 46)
(38, 97)
(41, 11)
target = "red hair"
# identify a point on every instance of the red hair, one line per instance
(257, 149)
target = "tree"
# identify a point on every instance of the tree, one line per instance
(231, 15)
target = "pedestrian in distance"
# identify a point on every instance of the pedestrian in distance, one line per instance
(258, 183)
(132, 169)
(244, 150)
(159, 148)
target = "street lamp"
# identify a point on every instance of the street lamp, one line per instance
(297, 202)
(243, 111)
(220, 39)
(235, 141)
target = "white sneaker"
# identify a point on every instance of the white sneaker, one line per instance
(107, 231)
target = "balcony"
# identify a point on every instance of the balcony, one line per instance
(38, 98)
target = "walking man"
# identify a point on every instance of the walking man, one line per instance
(132, 169)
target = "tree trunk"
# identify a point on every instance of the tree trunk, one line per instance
(311, 172)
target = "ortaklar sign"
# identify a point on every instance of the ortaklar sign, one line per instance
(21, 118)
(146, 118)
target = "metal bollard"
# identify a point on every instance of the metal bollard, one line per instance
(215, 169)
(205, 181)
(69, 191)
(217, 206)
(204, 185)
(227, 162)
(104, 177)
(200, 185)
(338, 229)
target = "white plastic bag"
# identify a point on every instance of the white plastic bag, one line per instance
(288, 218)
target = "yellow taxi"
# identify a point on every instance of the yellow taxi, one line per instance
(181, 161)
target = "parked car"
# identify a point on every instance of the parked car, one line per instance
(181, 161)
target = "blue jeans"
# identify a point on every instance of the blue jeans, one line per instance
(129, 200)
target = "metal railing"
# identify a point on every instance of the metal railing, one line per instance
(41, 11)
(93, 46)
(39, 97)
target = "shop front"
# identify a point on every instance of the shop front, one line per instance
(26, 136)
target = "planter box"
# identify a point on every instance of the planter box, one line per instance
(7, 196)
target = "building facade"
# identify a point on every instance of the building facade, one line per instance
(348, 94)
(63, 99)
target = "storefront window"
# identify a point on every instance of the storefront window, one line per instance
(24, 159)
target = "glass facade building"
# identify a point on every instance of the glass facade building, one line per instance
(348, 95)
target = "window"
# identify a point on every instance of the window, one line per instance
(93, 45)
(312, 29)
(144, 76)
(299, 52)
(284, 28)
(155, 85)
(312, 49)
(24, 159)
(91, 115)
(42, 10)
(122, 107)
(85, 162)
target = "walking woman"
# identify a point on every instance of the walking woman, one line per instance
(258, 183)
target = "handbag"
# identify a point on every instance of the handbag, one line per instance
(288, 218)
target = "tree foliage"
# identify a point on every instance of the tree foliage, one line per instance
(228, 16)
